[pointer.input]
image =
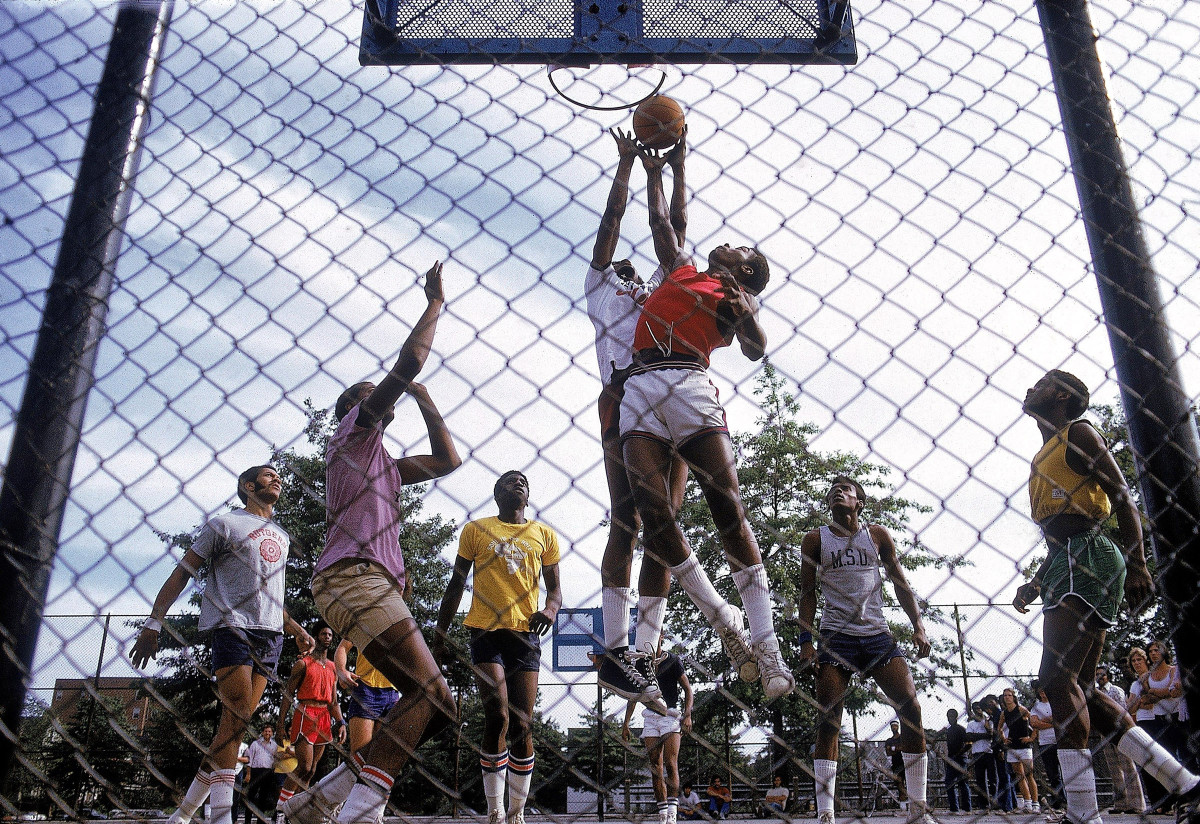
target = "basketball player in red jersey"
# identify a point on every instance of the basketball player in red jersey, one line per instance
(313, 683)
(671, 408)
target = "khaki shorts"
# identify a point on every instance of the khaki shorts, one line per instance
(360, 601)
(671, 405)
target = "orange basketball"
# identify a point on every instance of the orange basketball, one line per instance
(658, 122)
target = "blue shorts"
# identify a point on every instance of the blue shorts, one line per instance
(255, 648)
(516, 651)
(859, 654)
(371, 703)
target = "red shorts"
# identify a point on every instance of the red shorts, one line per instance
(311, 722)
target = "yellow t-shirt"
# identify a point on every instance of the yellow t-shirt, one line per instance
(1056, 489)
(370, 676)
(508, 561)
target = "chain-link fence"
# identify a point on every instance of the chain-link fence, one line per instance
(930, 260)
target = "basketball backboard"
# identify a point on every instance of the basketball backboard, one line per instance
(589, 32)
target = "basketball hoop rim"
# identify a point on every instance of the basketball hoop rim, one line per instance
(553, 67)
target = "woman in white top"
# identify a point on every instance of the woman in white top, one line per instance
(1141, 707)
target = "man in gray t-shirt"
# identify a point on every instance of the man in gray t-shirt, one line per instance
(845, 557)
(245, 554)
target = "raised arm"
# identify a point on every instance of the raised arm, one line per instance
(666, 244)
(904, 594)
(412, 355)
(618, 199)
(443, 458)
(675, 158)
(737, 318)
(146, 646)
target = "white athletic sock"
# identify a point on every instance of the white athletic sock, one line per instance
(825, 775)
(916, 772)
(615, 610)
(699, 588)
(1154, 759)
(651, 613)
(756, 601)
(672, 809)
(220, 796)
(333, 788)
(520, 776)
(495, 769)
(192, 800)
(365, 804)
(1079, 786)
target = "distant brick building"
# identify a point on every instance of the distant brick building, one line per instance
(69, 693)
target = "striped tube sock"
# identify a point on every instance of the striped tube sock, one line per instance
(672, 809)
(284, 795)
(520, 776)
(367, 799)
(494, 768)
(333, 788)
(220, 796)
(192, 799)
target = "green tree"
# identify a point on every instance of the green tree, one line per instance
(784, 481)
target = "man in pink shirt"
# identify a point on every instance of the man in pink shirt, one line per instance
(360, 578)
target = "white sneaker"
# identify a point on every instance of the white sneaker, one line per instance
(777, 679)
(497, 817)
(516, 818)
(826, 817)
(736, 642)
(307, 808)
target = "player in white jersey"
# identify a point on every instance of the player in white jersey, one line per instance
(245, 554)
(846, 556)
(615, 295)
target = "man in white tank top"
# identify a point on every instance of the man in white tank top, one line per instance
(614, 295)
(845, 557)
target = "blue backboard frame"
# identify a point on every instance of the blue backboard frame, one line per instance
(591, 32)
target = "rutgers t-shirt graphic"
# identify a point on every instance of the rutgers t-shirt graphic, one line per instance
(270, 543)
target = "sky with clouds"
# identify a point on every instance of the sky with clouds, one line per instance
(928, 259)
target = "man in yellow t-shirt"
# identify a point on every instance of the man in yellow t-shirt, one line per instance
(508, 553)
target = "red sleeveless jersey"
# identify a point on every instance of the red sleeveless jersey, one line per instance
(680, 316)
(319, 680)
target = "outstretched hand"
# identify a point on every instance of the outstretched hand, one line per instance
(677, 153)
(144, 649)
(627, 146)
(433, 283)
(652, 159)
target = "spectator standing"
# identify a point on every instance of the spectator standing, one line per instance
(983, 764)
(1127, 787)
(1041, 718)
(261, 786)
(958, 793)
(1142, 710)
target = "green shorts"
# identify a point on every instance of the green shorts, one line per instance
(1092, 568)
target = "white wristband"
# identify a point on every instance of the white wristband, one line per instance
(152, 624)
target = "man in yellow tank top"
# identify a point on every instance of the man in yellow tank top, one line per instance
(509, 553)
(1074, 484)
(371, 695)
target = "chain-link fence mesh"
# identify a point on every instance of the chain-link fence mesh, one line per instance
(929, 263)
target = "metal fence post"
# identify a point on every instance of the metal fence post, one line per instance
(1161, 425)
(48, 426)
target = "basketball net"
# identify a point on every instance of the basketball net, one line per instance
(615, 88)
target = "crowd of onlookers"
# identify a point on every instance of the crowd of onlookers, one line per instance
(992, 760)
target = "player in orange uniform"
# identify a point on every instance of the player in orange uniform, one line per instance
(313, 683)
(671, 408)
